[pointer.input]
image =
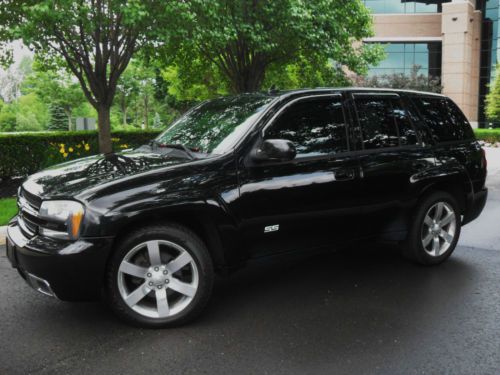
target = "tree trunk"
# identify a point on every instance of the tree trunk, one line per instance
(68, 114)
(146, 110)
(124, 110)
(105, 145)
(248, 80)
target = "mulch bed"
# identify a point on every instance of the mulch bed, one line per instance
(8, 188)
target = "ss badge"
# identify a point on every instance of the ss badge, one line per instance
(271, 228)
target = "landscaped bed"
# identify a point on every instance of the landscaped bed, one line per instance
(491, 136)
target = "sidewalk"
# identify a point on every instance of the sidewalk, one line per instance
(3, 234)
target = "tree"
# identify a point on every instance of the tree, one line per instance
(157, 122)
(8, 118)
(243, 39)
(30, 107)
(95, 38)
(58, 119)
(413, 81)
(493, 99)
(55, 87)
(11, 80)
(303, 73)
(137, 87)
(127, 90)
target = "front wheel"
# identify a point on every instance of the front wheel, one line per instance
(434, 231)
(159, 276)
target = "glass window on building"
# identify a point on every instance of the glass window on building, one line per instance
(405, 6)
(404, 57)
(490, 50)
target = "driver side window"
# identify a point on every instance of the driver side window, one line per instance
(316, 127)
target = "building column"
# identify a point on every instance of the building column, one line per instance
(461, 31)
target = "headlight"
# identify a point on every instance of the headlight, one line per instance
(68, 213)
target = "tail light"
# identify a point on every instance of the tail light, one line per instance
(484, 161)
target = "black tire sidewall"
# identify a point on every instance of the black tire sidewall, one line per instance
(169, 232)
(414, 248)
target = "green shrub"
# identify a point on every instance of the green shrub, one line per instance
(488, 135)
(24, 154)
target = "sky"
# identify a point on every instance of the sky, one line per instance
(8, 86)
(20, 51)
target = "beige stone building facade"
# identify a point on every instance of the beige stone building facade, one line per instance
(452, 40)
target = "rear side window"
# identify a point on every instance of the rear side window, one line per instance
(315, 127)
(458, 118)
(444, 118)
(384, 122)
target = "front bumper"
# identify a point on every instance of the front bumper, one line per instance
(68, 270)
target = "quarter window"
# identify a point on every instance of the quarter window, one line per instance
(316, 127)
(384, 123)
(445, 120)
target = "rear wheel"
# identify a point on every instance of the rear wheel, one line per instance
(435, 229)
(159, 276)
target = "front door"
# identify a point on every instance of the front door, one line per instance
(309, 201)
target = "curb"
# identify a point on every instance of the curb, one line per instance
(3, 234)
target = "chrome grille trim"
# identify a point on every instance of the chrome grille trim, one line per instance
(30, 198)
(24, 205)
(28, 211)
(25, 227)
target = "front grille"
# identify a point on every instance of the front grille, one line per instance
(28, 228)
(31, 199)
(28, 215)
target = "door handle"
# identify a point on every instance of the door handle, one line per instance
(344, 174)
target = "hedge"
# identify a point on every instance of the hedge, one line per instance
(25, 153)
(488, 135)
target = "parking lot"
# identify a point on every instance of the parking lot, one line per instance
(361, 310)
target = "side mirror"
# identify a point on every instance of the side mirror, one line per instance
(275, 150)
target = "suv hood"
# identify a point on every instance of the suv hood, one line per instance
(71, 178)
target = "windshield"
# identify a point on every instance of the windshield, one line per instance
(216, 126)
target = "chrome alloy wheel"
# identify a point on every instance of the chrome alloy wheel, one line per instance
(438, 229)
(158, 279)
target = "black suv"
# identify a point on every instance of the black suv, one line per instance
(245, 177)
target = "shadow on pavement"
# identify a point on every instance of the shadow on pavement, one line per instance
(350, 311)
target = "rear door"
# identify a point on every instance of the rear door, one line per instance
(392, 157)
(309, 201)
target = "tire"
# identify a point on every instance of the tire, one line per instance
(168, 293)
(422, 228)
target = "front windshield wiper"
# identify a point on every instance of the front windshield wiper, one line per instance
(177, 146)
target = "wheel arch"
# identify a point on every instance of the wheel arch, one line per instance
(198, 221)
(456, 187)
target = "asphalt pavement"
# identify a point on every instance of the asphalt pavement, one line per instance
(359, 311)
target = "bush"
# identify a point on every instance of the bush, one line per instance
(58, 119)
(24, 154)
(493, 99)
(488, 135)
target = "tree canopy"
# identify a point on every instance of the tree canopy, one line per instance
(243, 40)
(95, 38)
(181, 52)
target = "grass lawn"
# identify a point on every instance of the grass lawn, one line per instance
(8, 209)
